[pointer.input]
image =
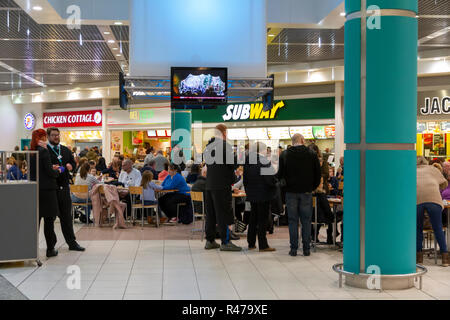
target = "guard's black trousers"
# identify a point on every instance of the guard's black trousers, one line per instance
(218, 212)
(65, 215)
(258, 224)
(49, 231)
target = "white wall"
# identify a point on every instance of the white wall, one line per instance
(10, 117)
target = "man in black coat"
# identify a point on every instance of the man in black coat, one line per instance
(221, 163)
(300, 172)
(62, 156)
(260, 187)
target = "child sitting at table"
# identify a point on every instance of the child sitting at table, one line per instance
(149, 188)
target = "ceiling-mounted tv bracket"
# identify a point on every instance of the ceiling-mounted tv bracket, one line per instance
(155, 90)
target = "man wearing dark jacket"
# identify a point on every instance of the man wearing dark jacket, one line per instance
(62, 156)
(300, 169)
(260, 187)
(221, 163)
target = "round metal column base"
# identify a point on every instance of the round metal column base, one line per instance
(360, 281)
(386, 282)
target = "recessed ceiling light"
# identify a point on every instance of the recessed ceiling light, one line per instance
(111, 41)
(118, 23)
(115, 48)
(118, 55)
(342, 14)
(437, 59)
(6, 39)
(58, 40)
(429, 37)
(106, 32)
(37, 8)
(271, 35)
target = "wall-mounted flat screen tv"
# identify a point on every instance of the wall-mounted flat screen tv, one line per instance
(199, 86)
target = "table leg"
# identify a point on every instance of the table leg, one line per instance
(334, 225)
(233, 205)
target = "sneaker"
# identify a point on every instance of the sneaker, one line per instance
(212, 245)
(293, 253)
(268, 249)
(230, 247)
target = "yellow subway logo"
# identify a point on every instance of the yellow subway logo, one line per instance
(251, 112)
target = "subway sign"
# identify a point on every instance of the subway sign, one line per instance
(252, 111)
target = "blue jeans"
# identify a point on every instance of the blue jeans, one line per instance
(435, 213)
(79, 200)
(299, 205)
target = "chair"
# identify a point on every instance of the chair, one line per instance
(81, 189)
(139, 191)
(198, 197)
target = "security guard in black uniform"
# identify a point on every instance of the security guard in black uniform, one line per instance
(62, 156)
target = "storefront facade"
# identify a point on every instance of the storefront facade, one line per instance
(312, 117)
(79, 129)
(133, 131)
(433, 125)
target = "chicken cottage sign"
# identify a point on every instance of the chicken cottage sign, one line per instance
(91, 118)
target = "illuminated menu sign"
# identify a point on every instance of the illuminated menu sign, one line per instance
(237, 134)
(307, 132)
(257, 134)
(279, 133)
(330, 132)
(319, 132)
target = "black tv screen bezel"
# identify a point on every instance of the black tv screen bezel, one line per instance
(198, 102)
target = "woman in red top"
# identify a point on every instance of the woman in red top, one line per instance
(48, 201)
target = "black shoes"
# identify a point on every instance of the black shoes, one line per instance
(76, 247)
(52, 253)
(293, 253)
(306, 252)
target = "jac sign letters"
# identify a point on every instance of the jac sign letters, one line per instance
(436, 105)
(91, 118)
(251, 112)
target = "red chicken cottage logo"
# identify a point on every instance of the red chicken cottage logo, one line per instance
(92, 118)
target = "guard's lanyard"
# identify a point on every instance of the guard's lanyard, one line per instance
(58, 154)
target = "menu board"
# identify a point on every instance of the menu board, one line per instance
(237, 134)
(307, 132)
(330, 132)
(169, 133)
(421, 127)
(151, 133)
(257, 134)
(161, 133)
(433, 126)
(439, 145)
(279, 133)
(445, 126)
(319, 132)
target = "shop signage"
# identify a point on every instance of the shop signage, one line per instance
(29, 121)
(436, 105)
(251, 112)
(91, 118)
(142, 115)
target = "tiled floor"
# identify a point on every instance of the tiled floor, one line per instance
(182, 269)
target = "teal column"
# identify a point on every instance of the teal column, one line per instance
(380, 133)
(181, 131)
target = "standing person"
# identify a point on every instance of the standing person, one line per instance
(149, 157)
(220, 162)
(325, 169)
(300, 171)
(48, 200)
(429, 183)
(62, 157)
(160, 161)
(260, 188)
